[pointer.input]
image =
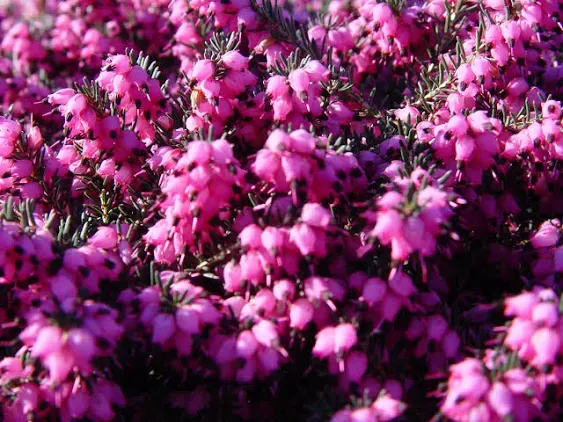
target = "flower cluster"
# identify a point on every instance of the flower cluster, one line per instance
(199, 187)
(299, 163)
(411, 222)
(513, 379)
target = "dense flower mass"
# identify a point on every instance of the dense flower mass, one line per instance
(257, 210)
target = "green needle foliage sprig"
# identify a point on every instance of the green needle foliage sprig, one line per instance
(286, 29)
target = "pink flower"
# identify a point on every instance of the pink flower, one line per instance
(345, 338)
(266, 333)
(551, 110)
(464, 147)
(465, 74)
(265, 301)
(521, 305)
(247, 18)
(187, 33)
(226, 351)
(105, 238)
(519, 334)
(547, 344)
(234, 60)
(547, 235)
(343, 415)
(388, 226)
(545, 313)
(517, 87)
(62, 96)
(304, 238)
(386, 408)
(59, 364)
(480, 66)
(247, 372)
(78, 403)
(401, 284)
(299, 80)
(390, 306)
(437, 327)
(164, 327)
(355, 366)
(49, 340)
(408, 114)
(511, 31)
(277, 86)
(269, 360)
(63, 289)
(9, 133)
(187, 320)
(301, 313)
(203, 70)
(382, 13)
(316, 70)
(284, 290)
(500, 399)
(246, 344)
(282, 107)
(82, 344)
(303, 142)
(22, 168)
(119, 63)
(481, 123)
(374, 290)
(450, 344)
(324, 346)
(251, 268)
(251, 236)
(363, 414)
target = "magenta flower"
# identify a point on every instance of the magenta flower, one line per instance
(301, 313)
(9, 133)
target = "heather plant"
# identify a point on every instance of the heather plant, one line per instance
(281, 210)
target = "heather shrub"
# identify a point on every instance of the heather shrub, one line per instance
(249, 210)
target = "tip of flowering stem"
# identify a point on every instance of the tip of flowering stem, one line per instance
(331, 305)
(424, 269)
(491, 342)
(436, 376)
